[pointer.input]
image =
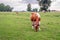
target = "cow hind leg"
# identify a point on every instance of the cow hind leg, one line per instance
(36, 28)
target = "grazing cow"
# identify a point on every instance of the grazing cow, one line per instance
(17, 13)
(35, 18)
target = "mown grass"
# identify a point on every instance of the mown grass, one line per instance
(18, 27)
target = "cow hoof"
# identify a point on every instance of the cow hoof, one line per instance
(32, 27)
(39, 29)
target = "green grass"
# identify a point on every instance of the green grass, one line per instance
(18, 27)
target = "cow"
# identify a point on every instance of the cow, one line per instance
(17, 13)
(35, 19)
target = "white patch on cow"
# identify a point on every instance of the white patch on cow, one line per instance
(38, 14)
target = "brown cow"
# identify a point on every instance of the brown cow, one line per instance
(35, 19)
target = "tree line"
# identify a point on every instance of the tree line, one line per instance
(44, 5)
(5, 7)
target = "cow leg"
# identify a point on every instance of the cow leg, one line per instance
(32, 25)
(36, 29)
(39, 26)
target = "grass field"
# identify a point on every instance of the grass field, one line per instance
(18, 27)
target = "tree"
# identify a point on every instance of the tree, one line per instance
(5, 8)
(2, 7)
(8, 8)
(29, 7)
(44, 4)
(35, 10)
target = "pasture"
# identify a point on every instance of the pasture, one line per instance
(18, 27)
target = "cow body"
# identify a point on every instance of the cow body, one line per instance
(35, 19)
